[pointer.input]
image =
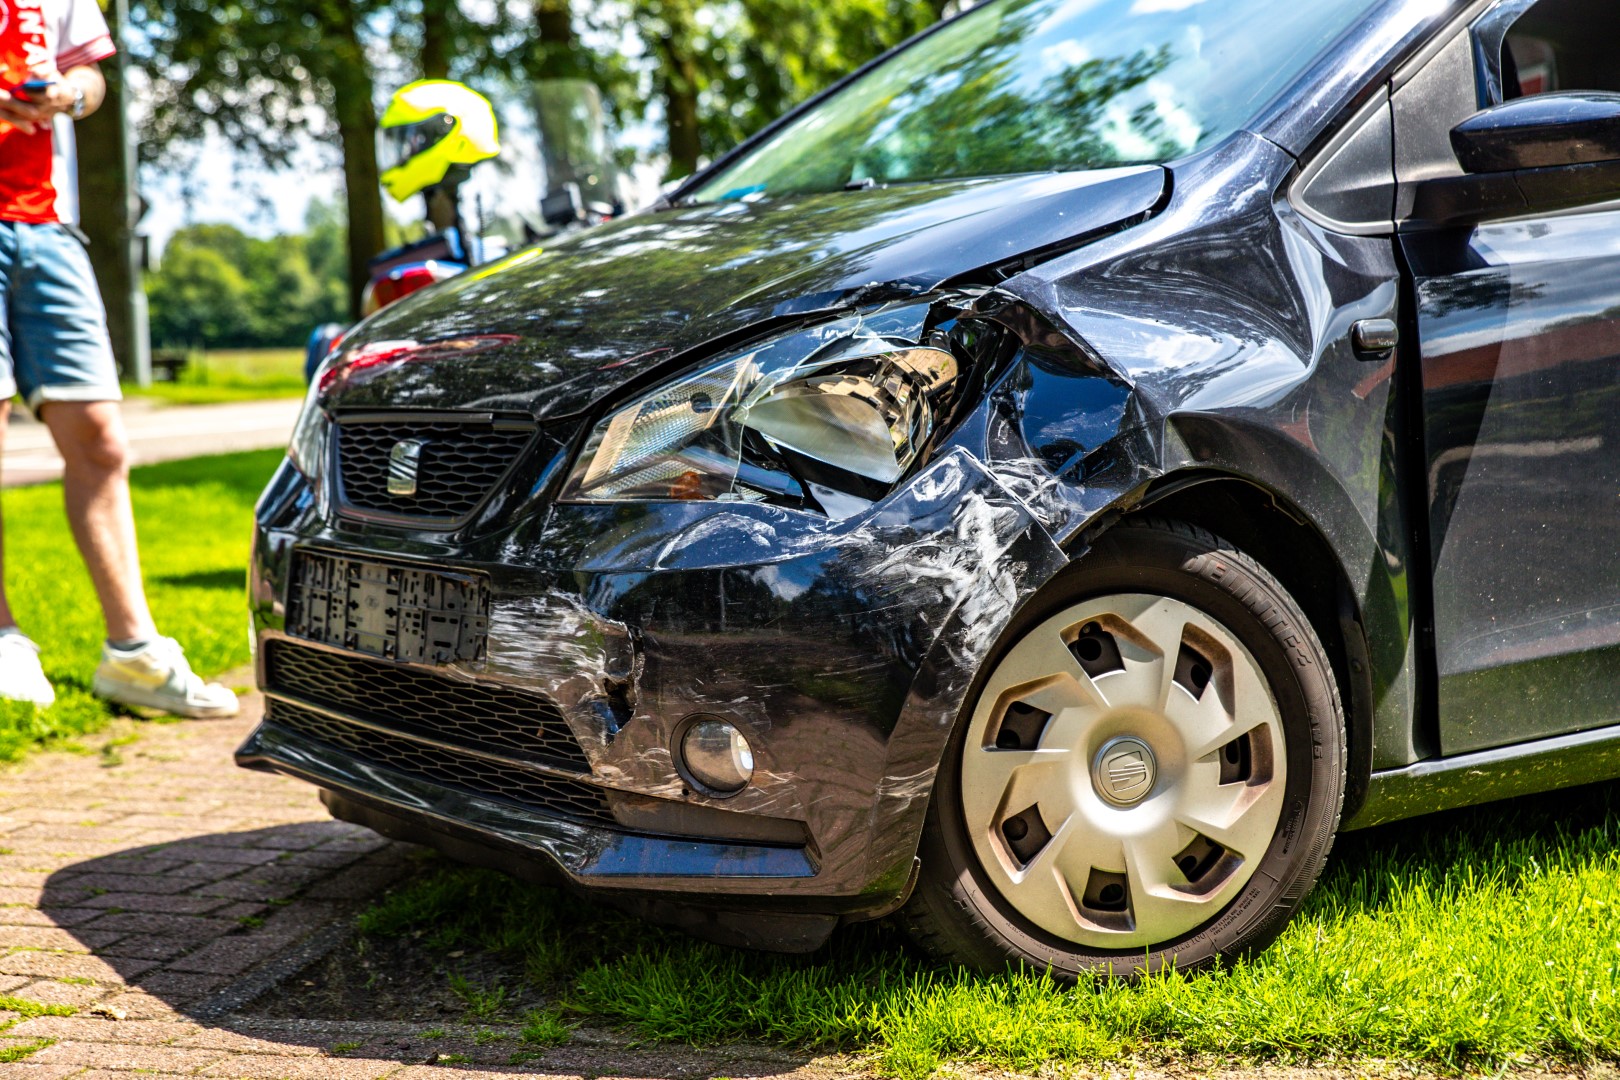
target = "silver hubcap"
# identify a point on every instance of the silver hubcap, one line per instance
(1123, 772)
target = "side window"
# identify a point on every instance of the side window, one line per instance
(1562, 45)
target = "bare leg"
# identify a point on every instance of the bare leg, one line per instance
(95, 482)
(6, 618)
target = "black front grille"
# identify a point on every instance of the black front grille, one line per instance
(496, 720)
(459, 463)
(476, 776)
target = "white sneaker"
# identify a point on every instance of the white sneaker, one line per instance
(158, 677)
(21, 677)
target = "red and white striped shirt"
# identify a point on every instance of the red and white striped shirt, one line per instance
(41, 39)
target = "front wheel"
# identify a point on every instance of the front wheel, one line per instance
(1150, 773)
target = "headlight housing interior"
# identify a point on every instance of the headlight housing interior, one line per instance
(828, 417)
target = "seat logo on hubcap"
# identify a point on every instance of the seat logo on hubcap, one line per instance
(1124, 770)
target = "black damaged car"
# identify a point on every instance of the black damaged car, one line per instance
(1045, 487)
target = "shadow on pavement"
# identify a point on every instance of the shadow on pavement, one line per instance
(196, 935)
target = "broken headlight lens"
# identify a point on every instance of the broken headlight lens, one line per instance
(852, 407)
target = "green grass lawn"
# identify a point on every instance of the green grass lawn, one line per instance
(195, 519)
(1468, 942)
(232, 375)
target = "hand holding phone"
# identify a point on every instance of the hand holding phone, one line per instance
(18, 107)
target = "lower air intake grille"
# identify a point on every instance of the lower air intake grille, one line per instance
(511, 723)
(476, 776)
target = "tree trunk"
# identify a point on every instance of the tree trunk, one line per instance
(109, 213)
(357, 131)
(555, 52)
(438, 34)
(554, 21)
(679, 82)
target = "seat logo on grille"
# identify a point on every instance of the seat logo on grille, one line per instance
(403, 462)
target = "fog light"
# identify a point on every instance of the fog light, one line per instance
(717, 756)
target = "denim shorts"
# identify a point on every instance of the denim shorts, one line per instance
(53, 337)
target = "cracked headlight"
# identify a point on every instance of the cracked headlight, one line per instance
(833, 411)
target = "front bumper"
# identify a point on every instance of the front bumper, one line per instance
(843, 650)
(548, 848)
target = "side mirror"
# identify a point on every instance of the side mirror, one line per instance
(1537, 154)
(1541, 132)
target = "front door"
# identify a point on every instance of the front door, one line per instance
(1519, 324)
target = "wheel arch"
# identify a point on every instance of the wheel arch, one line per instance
(1257, 517)
(1283, 539)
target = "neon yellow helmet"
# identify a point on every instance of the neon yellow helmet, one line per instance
(430, 126)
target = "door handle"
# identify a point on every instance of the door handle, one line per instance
(1375, 339)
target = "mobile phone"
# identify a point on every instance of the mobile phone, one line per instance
(35, 86)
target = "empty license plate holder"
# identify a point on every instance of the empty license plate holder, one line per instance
(387, 610)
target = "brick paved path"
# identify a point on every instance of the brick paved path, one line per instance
(153, 888)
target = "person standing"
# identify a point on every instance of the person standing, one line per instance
(55, 350)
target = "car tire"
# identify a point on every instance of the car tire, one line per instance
(1058, 836)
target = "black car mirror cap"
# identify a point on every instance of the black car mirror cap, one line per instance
(1545, 131)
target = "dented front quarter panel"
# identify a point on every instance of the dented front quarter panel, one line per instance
(1229, 316)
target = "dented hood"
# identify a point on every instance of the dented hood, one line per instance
(550, 330)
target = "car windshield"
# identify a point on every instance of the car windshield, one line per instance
(1020, 86)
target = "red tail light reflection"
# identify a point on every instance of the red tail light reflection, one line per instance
(401, 281)
(379, 354)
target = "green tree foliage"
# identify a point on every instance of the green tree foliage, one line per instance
(262, 73)
(788, 50)
(721, 71)
(199, 296)
(914, 122)
(217, 287)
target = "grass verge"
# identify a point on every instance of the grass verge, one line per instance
(194, 519)
(1471, 940)
(231, 375)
